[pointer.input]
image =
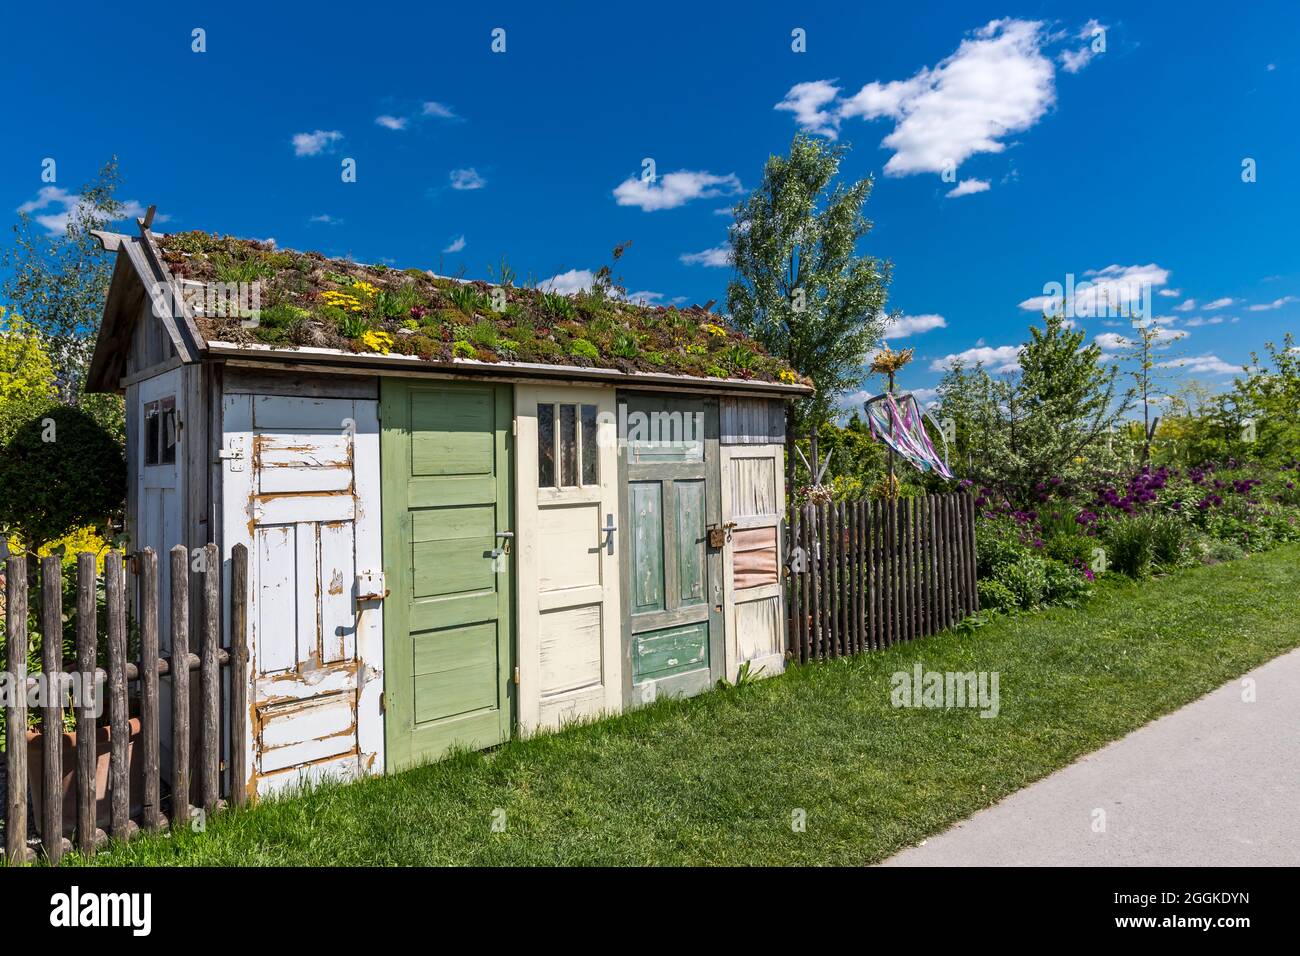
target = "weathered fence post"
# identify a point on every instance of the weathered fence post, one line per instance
(180, 674)
(149, 718)
(238, 674)
(87, 758)
(52, 713)
(16, 710)
(210, 680)
(118, 719)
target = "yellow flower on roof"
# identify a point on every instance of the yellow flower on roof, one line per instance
(715, 330)
(341, 300)
(787, 376)
(365, 288)
(377, 341)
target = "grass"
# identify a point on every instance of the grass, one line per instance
(715, 780)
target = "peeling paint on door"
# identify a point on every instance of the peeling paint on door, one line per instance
(315, 645)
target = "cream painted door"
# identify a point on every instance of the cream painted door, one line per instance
(570, 659)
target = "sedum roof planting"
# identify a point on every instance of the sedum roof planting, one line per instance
(307, 300)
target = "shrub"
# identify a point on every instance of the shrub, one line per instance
(1130, 545)
(60, 471)
(995, 595)
(1072, 550)
(581, 348)
(1066, 584)
(1169, 542)
(1026, 579)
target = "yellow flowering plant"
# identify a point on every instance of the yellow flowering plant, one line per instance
(377, 341)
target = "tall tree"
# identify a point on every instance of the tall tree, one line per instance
(58, 282)
(800, 287)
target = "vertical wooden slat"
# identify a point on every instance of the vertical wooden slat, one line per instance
(949, 590)
(859, 581)
(16, 710)
(905, 553)
(878, 572)
(891, 572)
(119, 728)
(918, 556)
(815, 567)
(180, 674)
(873, 574)
(210, 681)
(959, 536)
(959, 596)
(832, 581)
(87, 758)
(792, 593)
(931, 585)
(913, 603)
(841, 562)
(151, 798)
(238, 675)
(971, 556)
(52, 713)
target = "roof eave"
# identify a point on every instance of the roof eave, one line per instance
(410, 364)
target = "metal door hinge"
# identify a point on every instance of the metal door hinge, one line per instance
(516, 676)
(234, 455)
(514, 426)
(383, 702)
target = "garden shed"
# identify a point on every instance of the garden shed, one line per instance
(472, 511)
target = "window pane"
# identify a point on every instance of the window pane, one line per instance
(168, 455)
(568, 446)
(546, 446)
(152, 433)
(590, 475)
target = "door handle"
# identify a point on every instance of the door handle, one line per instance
(505, 547)
(609, 530)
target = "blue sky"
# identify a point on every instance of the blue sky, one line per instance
(1122, 164)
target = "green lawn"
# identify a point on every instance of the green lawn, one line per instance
(714, 780)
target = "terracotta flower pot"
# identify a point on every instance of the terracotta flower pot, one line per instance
(103, 742)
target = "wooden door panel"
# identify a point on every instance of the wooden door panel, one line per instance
(647, 537)
(692, 542)
(446, 498)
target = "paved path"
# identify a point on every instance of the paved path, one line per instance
(1216, 783)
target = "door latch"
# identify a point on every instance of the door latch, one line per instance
(234, 455)
(608, 531)
(370, 586)
(720, 534)
(503, 549)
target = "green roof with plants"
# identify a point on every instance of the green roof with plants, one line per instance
(309, 301)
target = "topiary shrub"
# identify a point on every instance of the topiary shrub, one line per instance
(60, 471)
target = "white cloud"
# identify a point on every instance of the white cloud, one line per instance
(1197, 322)
(674, 189)
(391, 122)
(433, 108)
(1112, 342)
(1105, 291)
(1203, 365)
(1218, 304)
(1170, 293)
(644, 297)
(968, 187)
(1275, 304)
(906, 325)
(806, 102)
(456, 245)
(1072, 61)
(467, 179)
(1185, 306)
(312, 144)
(567, 283)
(997, 83)
(719, 257)
(325, 219)
(65, 207)
(1002, 358)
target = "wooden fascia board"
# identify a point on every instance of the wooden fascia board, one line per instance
(353, 363)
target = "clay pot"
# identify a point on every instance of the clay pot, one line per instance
(103, 742)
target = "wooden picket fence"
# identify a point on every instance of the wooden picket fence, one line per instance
(127, 683)
(879, 572)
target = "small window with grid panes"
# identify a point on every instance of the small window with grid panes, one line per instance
(566, 446)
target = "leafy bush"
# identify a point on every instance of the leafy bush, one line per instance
(1130, 545)
(60, 471)
(995, 595)
(1026, 579)
(1169, 542)
(1072, 550)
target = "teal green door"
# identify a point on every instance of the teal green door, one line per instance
(445, 457)
(672, 579)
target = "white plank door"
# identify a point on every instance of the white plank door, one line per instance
(570, 657)
(301, 492)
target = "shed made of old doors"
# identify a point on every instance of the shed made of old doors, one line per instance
(448, 649)
(672, 586)
(301, 492)
(570, 633)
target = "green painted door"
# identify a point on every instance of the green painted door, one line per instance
(672, 579)
(447, 621)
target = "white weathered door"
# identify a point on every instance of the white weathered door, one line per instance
(302, 493)
(160, 494)
(570, 659)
